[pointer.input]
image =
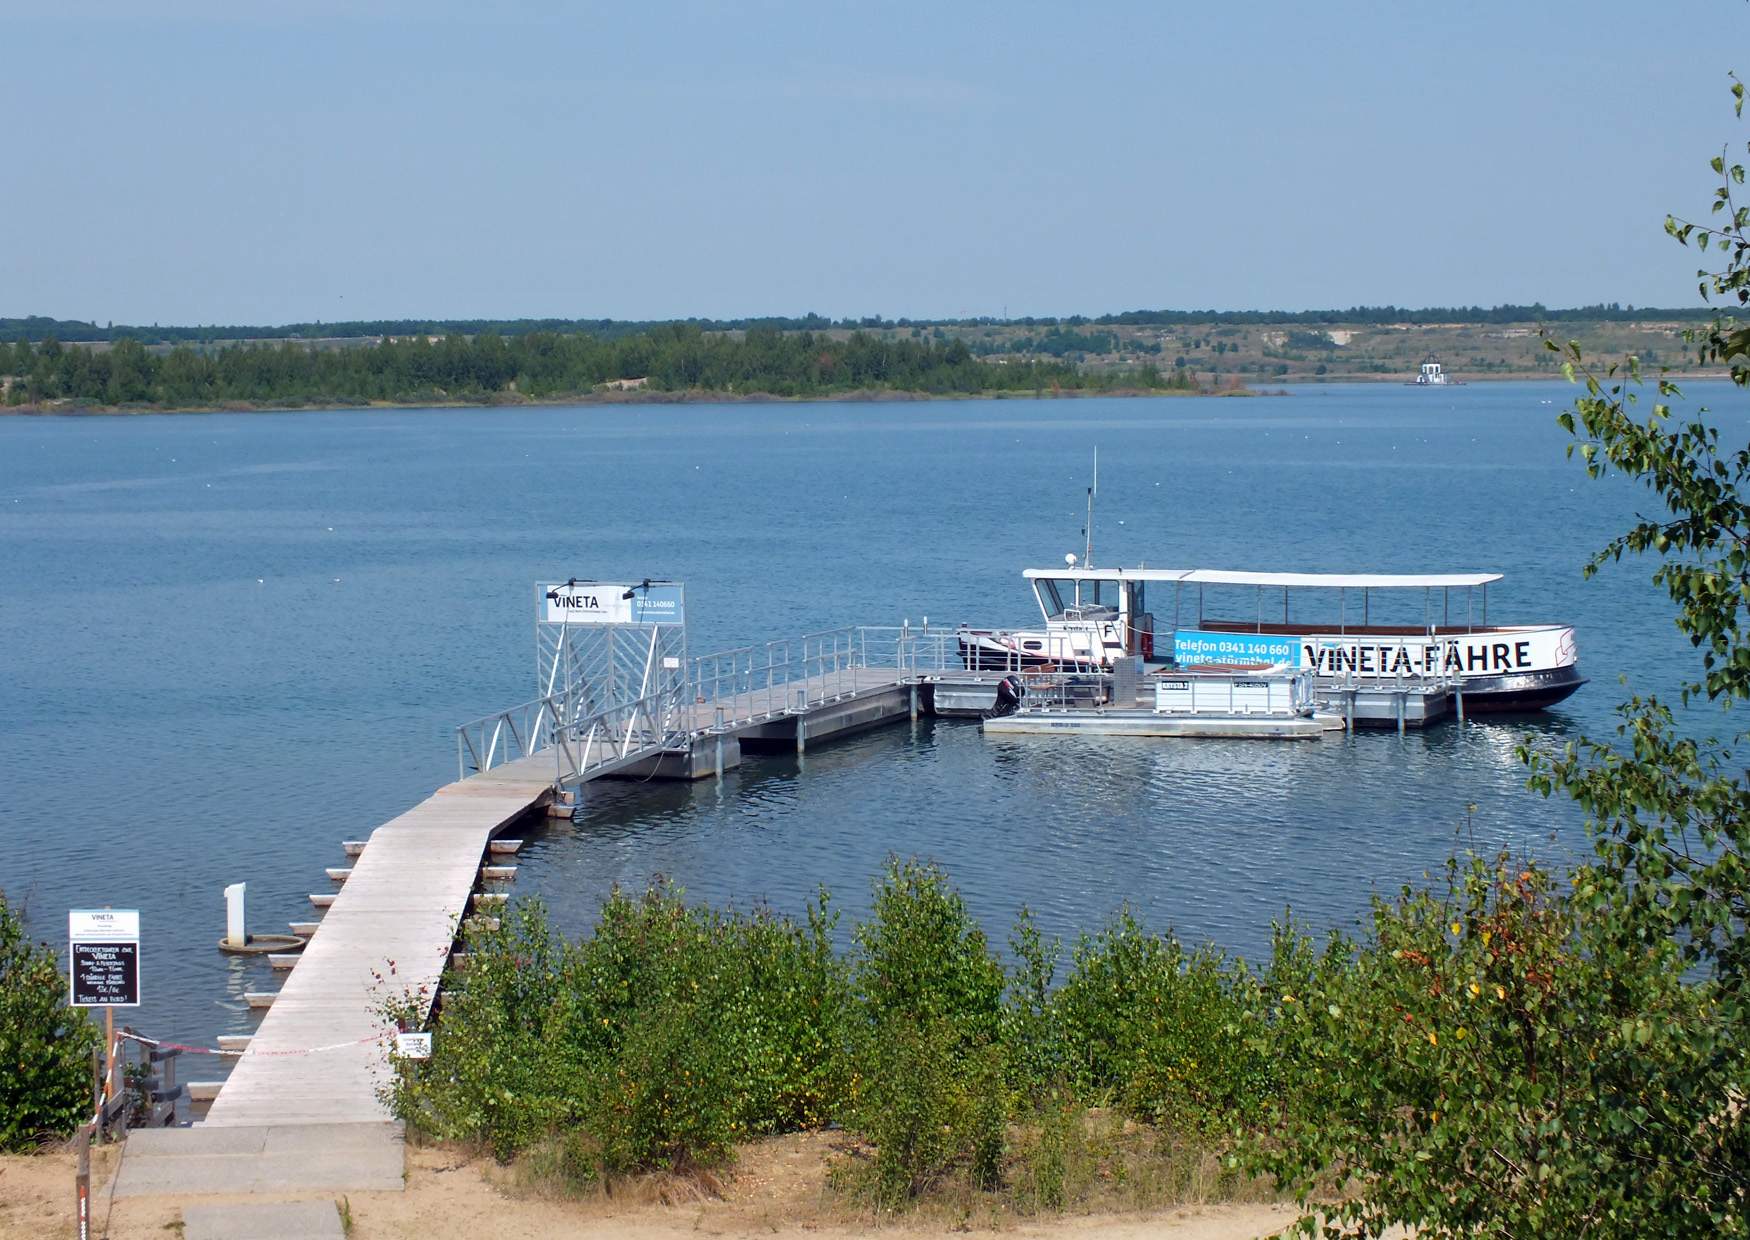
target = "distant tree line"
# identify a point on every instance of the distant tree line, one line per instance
(1365, 316)
(39, 328)
(538, 365)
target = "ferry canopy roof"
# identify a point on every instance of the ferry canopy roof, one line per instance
(1313, 581)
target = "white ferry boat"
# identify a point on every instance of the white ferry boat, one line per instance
(1432, 376)
(1093, 616)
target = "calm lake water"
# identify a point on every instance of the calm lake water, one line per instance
(228, 642)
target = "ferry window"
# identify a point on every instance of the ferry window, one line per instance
(1050, 597)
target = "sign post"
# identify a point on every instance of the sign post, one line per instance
(103, 970)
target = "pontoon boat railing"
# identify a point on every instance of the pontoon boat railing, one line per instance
(1049, 691)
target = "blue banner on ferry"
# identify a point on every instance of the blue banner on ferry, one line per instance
(1192, 646)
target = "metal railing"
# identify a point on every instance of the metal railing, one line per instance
(1057, 691)
(729, 688)
(507, 735)
(753, 683)
(618, 736)
(583, 741)
(1186, 692)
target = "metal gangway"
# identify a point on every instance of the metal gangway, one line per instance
(722, 692)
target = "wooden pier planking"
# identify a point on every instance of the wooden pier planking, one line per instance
(406, 891)
(401, 903)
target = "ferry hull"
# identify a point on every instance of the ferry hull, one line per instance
(1522, 692)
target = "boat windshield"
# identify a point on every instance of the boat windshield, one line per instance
(1062, 596)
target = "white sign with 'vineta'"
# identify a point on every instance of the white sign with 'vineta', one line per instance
(614, 602)
(103, 957)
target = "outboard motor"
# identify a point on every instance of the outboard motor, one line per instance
(1010, 691)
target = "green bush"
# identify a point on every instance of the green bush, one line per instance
(1032, 1032)
(45, 1046)
(922, 957)
(1168, 1033)
(930, 1073)
(493, 1079)
(1044, 1179)
(664, 1098)
(1494, 1058)
(656, 1042)
(1490, 1062)
(788, 996)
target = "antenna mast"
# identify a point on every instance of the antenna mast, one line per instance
(1088, 556)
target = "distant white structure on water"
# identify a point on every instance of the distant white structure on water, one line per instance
(1432, 376)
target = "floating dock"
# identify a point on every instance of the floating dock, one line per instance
(1116, 722)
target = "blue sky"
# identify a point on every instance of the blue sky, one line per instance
(228, 161)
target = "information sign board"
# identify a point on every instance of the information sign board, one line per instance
(103, 957)
(614, 602)
(1195, 646)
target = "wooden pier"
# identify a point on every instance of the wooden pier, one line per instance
(318, 1055)
(320, 1052)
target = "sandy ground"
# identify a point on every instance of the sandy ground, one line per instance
(777, 1190)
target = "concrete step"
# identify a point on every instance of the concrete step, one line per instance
(280, 1158)
(263, 1220)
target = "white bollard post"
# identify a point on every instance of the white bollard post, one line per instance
(235, 936)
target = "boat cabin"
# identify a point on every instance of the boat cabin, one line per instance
(1127, 604)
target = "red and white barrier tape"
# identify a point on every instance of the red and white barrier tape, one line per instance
(207, 1050)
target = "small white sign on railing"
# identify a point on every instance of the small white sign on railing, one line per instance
(413, 1045)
